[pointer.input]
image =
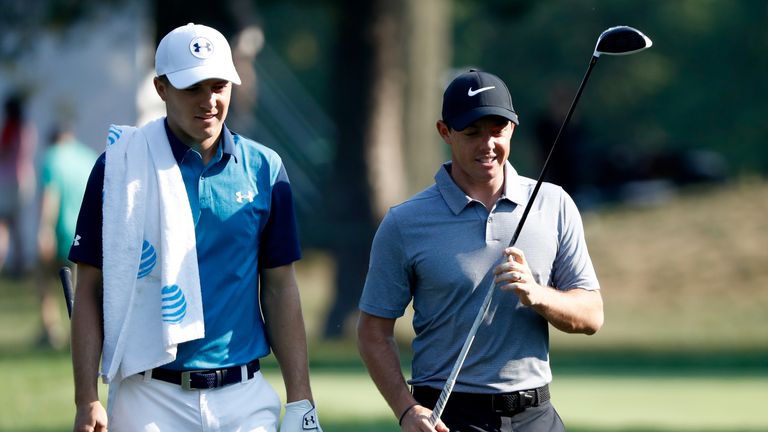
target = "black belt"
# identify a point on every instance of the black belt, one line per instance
(207, 378)
(500, 403)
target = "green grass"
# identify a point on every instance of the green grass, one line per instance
(694, 403)
(684, 347)
(38, 397)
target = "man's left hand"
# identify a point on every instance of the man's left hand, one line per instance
(300, 416)
(515, 275)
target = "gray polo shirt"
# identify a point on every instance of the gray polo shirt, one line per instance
(439, 249)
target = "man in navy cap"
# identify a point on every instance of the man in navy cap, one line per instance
(439, 248)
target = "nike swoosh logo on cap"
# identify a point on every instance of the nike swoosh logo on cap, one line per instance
(471, 92)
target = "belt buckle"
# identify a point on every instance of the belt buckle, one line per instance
(527, 398)
(186, 379)
(520, 400)
(500, 404)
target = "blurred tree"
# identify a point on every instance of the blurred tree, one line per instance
(366, 104)
(22, 21)
(428, 52)
(390, 54)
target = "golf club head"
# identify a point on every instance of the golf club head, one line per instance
(621, 40)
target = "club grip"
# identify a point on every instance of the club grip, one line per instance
(65, 274)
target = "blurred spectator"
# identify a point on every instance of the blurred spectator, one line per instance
(18, 141)
(638, 177)
(64, 174)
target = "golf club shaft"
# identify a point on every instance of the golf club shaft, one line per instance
(567, 120)
(65, 274)
(451, 381)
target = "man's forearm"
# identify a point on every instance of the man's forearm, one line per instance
(289, 343)
(379, 352)
(573, 311)
(87, 334)
(285, 329)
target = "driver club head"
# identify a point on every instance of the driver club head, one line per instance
(621, 40)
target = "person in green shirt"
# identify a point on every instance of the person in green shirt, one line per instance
(64, 174)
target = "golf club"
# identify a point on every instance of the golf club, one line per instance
(65, 274)
(620, 40)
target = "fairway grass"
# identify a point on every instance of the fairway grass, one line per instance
(691, 403)
(38, 397)
(589, 402)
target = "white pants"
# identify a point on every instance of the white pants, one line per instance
(145, 404)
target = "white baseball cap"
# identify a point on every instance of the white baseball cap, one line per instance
(193, 53)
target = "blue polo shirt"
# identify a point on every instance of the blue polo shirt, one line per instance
(242, 207)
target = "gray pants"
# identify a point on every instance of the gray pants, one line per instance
(542, 418)
(471, 414)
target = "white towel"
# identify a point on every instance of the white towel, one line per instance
(152, 299)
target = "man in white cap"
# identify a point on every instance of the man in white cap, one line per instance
(444, 246)
(218, 312)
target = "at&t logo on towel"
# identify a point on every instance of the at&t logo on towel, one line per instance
(114, 134)
(148, 259)
(173, 304)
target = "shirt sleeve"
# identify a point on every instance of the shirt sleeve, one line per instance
(387, 291)
(573, 266)
(279, 243)
(87, 244)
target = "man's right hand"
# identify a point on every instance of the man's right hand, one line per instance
(417, 420)
(91, 418)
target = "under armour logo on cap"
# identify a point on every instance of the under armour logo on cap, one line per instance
(193, 53)
(201, 47)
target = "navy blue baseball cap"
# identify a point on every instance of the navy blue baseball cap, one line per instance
(473, 95)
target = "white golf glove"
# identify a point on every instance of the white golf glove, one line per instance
(300, 416)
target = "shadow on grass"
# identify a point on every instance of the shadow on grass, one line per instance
(696, 362)
(649, 429)
(26, 358)
(387, 426)
(342, 357)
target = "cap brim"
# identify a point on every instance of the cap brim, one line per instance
(461, 122)
(188, 77)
